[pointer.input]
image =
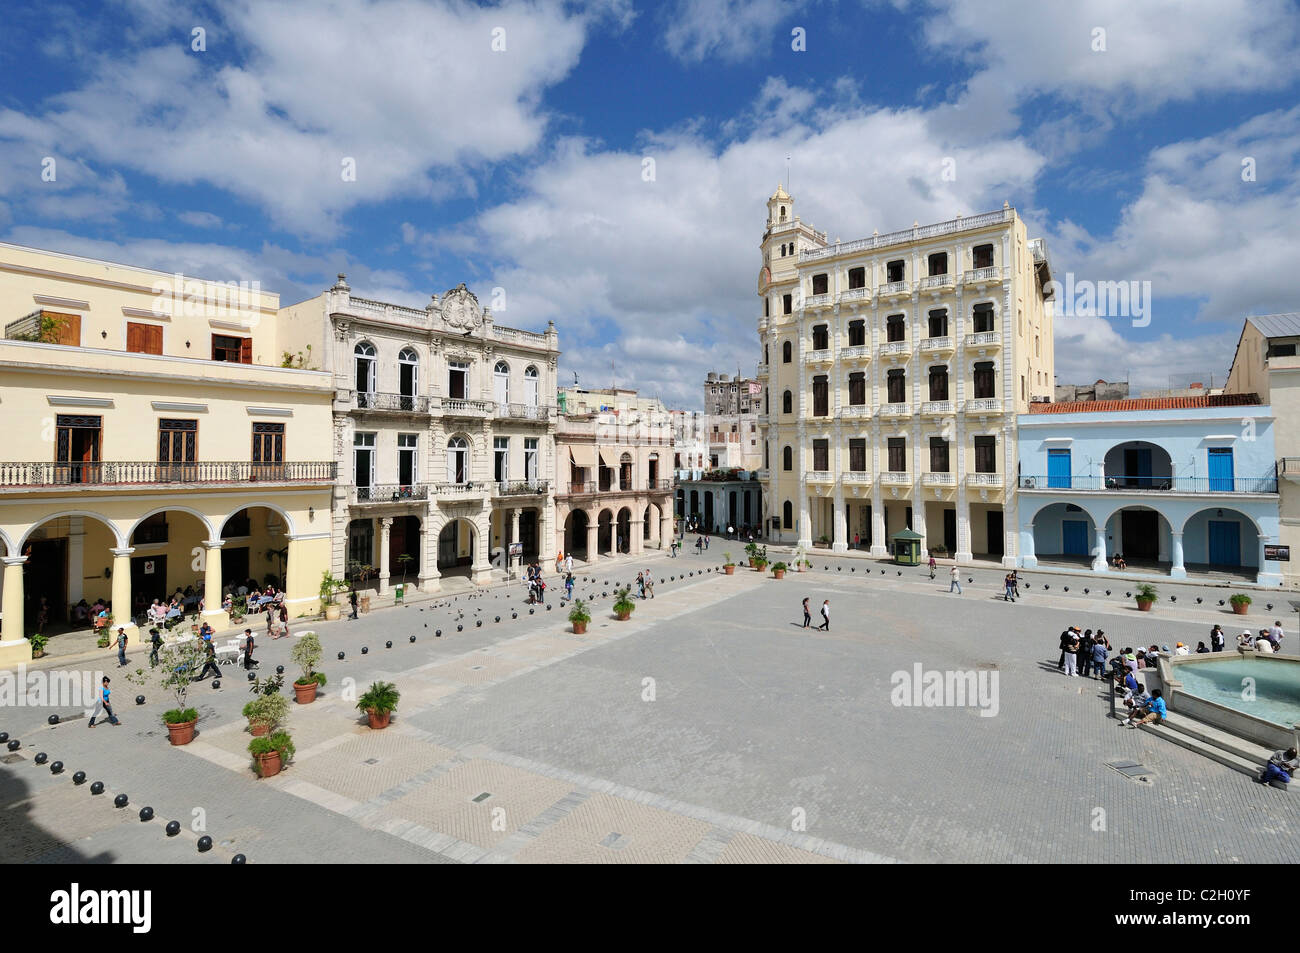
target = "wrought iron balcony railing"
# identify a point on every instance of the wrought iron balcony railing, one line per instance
(152, 473)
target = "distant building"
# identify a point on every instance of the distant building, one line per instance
(1100, 390)
(730, 396)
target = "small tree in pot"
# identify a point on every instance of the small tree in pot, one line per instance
(751, 550)
(329, 595)
(266, 712)
(271, 753)
(1240, 603)
(305, 654)
(379, 702)
(728, 566)
(178, 663)
(623, 604)
(778, 570)
(1146, 597)
(759, 561)
(579, 615)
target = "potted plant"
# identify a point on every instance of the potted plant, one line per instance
(178, 663)
(729, 567)
(379, 702)
(105, 640)
(1146, 597)
(1240, 602)
(238, 609)
(329, 588)
(623, 604)
(271, 753)
(266, 712)
(305, 654)
(751, 550)
(759, 561)
(39, 641)
(778, 570)
(579, 615)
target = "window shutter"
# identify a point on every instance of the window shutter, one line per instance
(246, 351)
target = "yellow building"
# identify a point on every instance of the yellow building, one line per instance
(1267, 363)
(153, 442)
(894, 367)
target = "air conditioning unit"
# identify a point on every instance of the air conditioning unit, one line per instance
(1027, 483)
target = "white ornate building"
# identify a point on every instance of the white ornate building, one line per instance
(444, 431)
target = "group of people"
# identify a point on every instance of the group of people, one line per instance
(536, 584)
(825, 614)
(645, 584)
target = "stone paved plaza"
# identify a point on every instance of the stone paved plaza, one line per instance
(711, 728)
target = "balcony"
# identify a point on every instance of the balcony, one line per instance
(941, 345)
(539, 412)
(1150, 484)
(458, 491)
(896, 410)
(856, 477)
(762, 371)
(390, 403)
(894, 289)
(461, 407)
(993, 480)
(896, 349)
(984, 340)
(520, 488)
(855, 294)
(981, 276)
(819, 476)
(763, 474)
(855, 411)
(895, 478)
(818, 302)
(17, 476)
(984, 405)
(935, 283)
(388, 493)
(824, 356)
(940, 480)
(936, 408)
(858, 354)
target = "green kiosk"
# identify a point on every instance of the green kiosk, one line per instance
(906, 546)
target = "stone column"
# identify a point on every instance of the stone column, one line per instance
(429, 574)
(1178, 570)
(481, 568)
(636, 529)
(805, 518)
(76, 558)
(1098, 549)
(665, 530)
(14, 647)
(385, 527)
(514, 536)
(918, 520)
(213, 614)
(122, 593)
(879, 545)
(839, 543)
(964, 554)
(593, 529)
(1028, 558)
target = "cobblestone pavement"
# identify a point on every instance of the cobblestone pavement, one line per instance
(711, 728)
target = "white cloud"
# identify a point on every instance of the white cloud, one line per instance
(200, 219)
(728, 30)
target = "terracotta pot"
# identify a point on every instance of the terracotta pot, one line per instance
(623, 616)
(1144, 605)
(267, 765)
(778, 573)
(259, 728)
(751, 562)
(378, 720)
(306, 694)
(729, 570)
(181, 733)
(1241, 609)
(38, 653)
(579, 628)
(332, 613)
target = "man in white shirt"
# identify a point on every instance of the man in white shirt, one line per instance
(1275, 635)
(955, 575)
(826, 616)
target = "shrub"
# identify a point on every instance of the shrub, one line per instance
(1240, 599)
(779, 567)
(580, 613)
(270, 710)
(179, 716)
(305, 654)
(623, 603)
(1146, 592)
(276, 741)
(380, 698)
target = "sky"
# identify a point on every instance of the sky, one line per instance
(606, 165)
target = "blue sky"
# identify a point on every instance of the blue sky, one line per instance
(521, 168)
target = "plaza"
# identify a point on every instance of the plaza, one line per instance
(710, 728)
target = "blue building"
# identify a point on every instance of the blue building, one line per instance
(1171, 484)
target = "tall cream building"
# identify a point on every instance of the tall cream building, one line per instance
(894, 367)
(152, 442)
(443, 429)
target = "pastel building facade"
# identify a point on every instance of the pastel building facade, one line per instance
(152, 443)
(1174, 485)
(894, 368)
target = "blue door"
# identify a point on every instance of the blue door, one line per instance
(1074, 537)
(1137, 462)
(1221, 476)
(1225, 543)
(1058, 469)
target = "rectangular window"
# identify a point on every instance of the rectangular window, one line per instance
(938, 455)
(268, 451)
(78, 439)
(857, 333)
(897, 449)
(177, 446)
(857, 278)
(857, 389)
(986, 456)
(457, 380)
(821, 337)
(144, 338)
(820, 284)
(938, 323)
(896, 386)
(894, 271)
(983, 318)
(821, 454)
(363, 463)
(895, 329)
(984, 380)
(982, 256)
(787, 303)
(857, 454)
(938, 383)
(939, 263)
(500, 458)
(1281, 350)
(231, 349)
(530, 458)
(821, 397)
(1058, 469)
(408, 473)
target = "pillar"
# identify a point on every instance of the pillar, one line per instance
(635, 529)
(514, 537)
(665, 530)
(805, 518)
(385, 528)
(14, 647)
(481, 567)
(839, 523)
(1178, 570)
(212, 583)
(122, 593)
(964, 554)
(593, 528)
(1028, 558)
(918, 522)
(76, 558)
(1098, 550)
(879, 545)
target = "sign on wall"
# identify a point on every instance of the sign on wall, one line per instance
(1281, 553)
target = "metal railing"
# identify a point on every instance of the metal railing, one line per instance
(390, 493)
(149, 472)
(1151, 484)
(522, 487)
(401, 403)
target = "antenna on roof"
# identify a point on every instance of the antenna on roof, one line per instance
(787, 172)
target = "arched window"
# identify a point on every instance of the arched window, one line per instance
(365, 357)
(531, 379)
(787, 459)
(787, 403)
(457, 460)
(625, 472)
(501, 382)
(787, 515)
(783, 213)
(785, 353)
(408, 376)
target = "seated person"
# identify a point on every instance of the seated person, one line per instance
(1153, 713)
(1119, 562)
(1281, 766)
(227, 603)
(205, 632)
(1263, 645)
(1246, 640)
(101, 619)
(80, 612)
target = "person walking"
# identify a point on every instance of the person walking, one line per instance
(284, 619)
(568, 586)
(249, 661)
(104, 704)
(1072, 656)
(121, 647)
(955, 576)
(155, 641)
(1085, 654)
(210, 662)
(826, 616)
(650, 583)
(1217, 639)
(1007, 587)
(807, 615)
(1099, 652)
(933, 566)
(352, 601)
(568, 563)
